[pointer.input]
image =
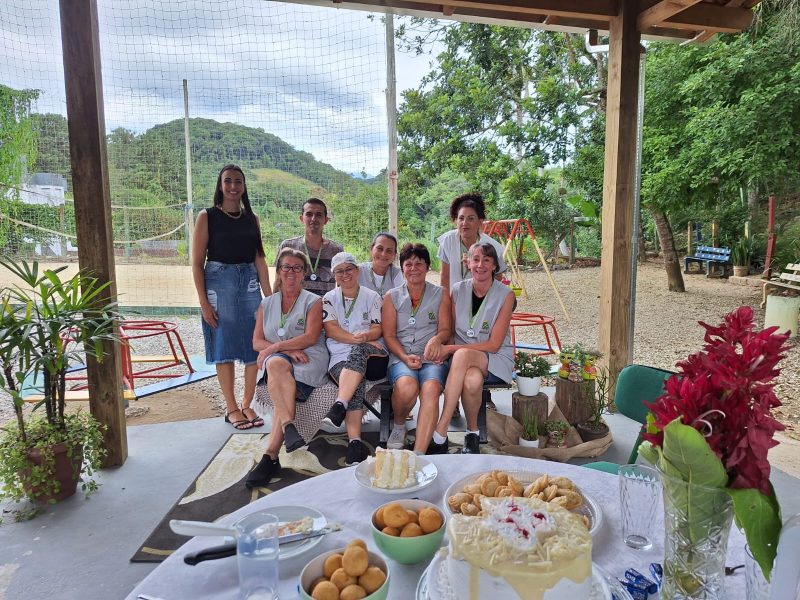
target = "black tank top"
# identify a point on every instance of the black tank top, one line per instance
(231, 241)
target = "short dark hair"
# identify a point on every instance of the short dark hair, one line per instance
(472, 200)
(314, 200)
(488, 250)
(418, 250)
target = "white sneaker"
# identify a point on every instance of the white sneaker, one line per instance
(397, 438)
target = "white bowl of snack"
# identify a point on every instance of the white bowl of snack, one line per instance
(395, 472)
(348, 573)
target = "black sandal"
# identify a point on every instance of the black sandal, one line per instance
(242, 424)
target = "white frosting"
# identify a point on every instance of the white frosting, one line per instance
(519, 525)
(394, 469)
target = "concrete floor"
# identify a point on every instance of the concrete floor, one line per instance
(80, 549)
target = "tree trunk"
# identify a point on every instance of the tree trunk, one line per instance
(642, 254)
(672, 263)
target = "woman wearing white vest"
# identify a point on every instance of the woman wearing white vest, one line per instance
(482, 351)
(467, 213)
(381, 274)
(291, 355)
(351, 315)
(417, 322)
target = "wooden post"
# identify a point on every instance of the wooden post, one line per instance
(571, 399)
(618, 187)
(689, 234)
(87, 145)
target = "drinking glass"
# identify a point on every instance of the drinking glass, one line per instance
(757, 586)
(257, 556)
(639, 496)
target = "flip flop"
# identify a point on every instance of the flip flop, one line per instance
(255, 421)
(242, 424)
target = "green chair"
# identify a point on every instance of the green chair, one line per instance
(636, 384)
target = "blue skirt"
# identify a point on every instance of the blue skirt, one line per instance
(234, 292)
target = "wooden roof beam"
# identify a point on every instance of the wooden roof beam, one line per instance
(711, 17)
(662, 11)
(586, 9)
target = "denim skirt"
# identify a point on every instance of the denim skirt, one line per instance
(234, 292)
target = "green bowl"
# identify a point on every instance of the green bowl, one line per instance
(410, 550)
(313, 570)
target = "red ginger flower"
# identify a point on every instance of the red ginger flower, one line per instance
(725, 391)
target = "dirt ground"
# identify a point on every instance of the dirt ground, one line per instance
(173, 405)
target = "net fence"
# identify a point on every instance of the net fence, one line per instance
(294, 94)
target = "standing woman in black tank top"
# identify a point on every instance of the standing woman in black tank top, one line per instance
(230, 274)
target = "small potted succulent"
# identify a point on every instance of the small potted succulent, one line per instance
(530, 370)
(557, 433)
(530, 430)
(572, 359)
(599, 401)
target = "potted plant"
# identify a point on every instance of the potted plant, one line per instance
(572, 359)
(740, 257)
(557, 433)
(530, 430)
(47, 323)
(530, 370)
(599, 400)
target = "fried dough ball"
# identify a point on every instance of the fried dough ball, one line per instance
(314, 583)
(341, 579)
(358, 542)
(430, 520)
(333, 562)
(371, 579)
(394, 531)
(325, 590)
(378, 519)
(353, 592)
(355, 560)
(411, 530)
(395, 515)
(412, 516)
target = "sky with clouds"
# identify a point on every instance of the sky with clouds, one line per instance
(316, 77)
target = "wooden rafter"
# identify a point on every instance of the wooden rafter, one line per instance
(658, 13)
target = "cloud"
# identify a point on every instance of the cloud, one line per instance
(313, 76)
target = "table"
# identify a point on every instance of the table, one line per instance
(341, 499)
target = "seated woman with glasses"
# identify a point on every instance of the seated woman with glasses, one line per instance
(417, 322)
(351, 315)
(291, 354)
(381, 274)
(481, 352)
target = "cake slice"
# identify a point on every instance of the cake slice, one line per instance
(394, 469)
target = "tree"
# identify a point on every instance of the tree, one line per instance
(17, 142)
(52, 145)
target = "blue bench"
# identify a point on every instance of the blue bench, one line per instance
(712, 257)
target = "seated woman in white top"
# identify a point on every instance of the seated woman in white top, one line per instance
(417, 321)
(481, 350)
(351, 315)
(381, 274)
(467, 212)
(291, 355)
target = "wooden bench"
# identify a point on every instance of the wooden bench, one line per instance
(710, 256)
(789, 279)
(387, 413)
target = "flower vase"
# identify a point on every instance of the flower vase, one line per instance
(697, 521)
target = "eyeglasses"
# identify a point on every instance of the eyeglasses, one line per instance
(295, 268)
(346, 271)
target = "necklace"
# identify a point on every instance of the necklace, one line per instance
(473, 317)
(348, 312)
(415, 307)
(282, 330)
(313, 276)
(239, 213)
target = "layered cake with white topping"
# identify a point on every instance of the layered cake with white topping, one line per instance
(522, 548)
(394, 469)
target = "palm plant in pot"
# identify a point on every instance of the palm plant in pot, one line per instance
(47, 323)
(598, 396)
(530, 370)
(740, 257)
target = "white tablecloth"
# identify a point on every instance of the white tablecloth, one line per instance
(341, 499)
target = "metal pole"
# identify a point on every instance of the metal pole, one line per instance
(188, 147)
(637, 217)
(391, 118)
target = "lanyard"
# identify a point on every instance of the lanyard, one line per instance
(348, 312)
(464, 251)
(473, 318)
(285, 316)
(319, 253)
(413, 308)
(383, 283)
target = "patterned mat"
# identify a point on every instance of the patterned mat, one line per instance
(219, 489)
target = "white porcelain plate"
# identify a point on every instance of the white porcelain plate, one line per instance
(434, 583)
(295, 513)
(426, 474)
(590, 508)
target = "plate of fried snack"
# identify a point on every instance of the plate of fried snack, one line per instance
(464, 496)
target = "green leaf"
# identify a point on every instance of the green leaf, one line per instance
(687, 450)
(759, 516)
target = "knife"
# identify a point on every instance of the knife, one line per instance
(229, 549)
(195, 528)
